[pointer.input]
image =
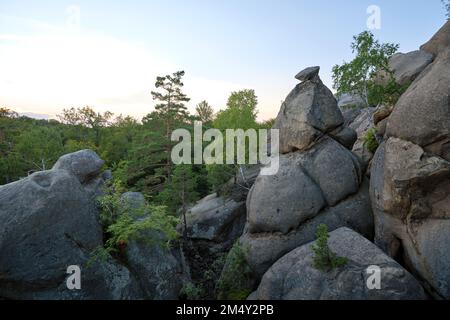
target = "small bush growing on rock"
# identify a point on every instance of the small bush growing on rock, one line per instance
(325, 259)
(370, 141)
(191, 291)
(123, 222)
(235, 282)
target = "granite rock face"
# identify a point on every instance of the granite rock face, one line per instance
(294, 277)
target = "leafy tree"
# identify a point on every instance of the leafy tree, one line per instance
(205, 112)
(170, 108)
(240, 113)
(87, 117)
(39, 147)
(7, 113)
(358, 75)
(181, 191)
(150, 164)
(324, 258)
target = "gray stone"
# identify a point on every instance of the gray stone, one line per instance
(309, 112)
(216, 219)
(308, 74)
(422, 114)
(134, 200)
(410, 192)
(267, 247)
(440, 42)
(407, 66)
(348, 101)
(305, 183)
(293, 277)
(47, 223)
(84, 164)
(160, 273)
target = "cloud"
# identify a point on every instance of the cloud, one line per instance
(53, 68)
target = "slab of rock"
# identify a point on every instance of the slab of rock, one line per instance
(349, 101)
(308, 74)
(306, 182)
(84, 164)
(407, 66)
(293, 277)
(439, 42)
(422, 114)
(215, 218)
(267, 247)
(48, 222)
(410, 192)
(309, 112)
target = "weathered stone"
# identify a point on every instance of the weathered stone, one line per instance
(305, 183)
(407, 66)
(440, 42)
(410, 192)
(308, 74)
(47, 223)
(309, 112)
(293, 277)
(84, 164)
(216, 219)
(349, 101)
(267, 247)
(422, 114)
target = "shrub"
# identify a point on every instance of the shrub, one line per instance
(370, 140)
(123, 222)
(235, 282)
(324, 258)
(191, 291)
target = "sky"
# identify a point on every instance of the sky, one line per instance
(107, 54)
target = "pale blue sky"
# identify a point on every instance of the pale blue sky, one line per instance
(222, 45)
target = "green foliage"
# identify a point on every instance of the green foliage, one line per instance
(236, 279)
(218, 175)
(204, 112)
(240, 112)
(324, 259)
(370, 140)
(358, 75)
(124, 222)
(191, 291)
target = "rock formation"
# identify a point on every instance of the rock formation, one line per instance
(49, 221)
(410, 177)
(319, 179)
(294, 277)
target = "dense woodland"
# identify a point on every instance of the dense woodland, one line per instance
(137, 151)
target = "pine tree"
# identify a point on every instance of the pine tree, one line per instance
(204, 112)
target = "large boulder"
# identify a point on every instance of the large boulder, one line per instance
(348, 101)
(362, 124)
(309, 112)
(319, 180)
(422, 114)
(410, 191)
(305, 183)
(158, 265)
(439, 42)
(48, 222)
(407, 66)
(83, 164)
(293, 277)
(159, 269)
(215, 218)
(263, 249)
